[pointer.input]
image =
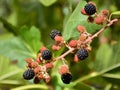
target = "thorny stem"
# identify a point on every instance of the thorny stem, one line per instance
(101, 30)
(87, 40)
(63, 55)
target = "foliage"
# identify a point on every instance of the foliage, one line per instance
(22, 37)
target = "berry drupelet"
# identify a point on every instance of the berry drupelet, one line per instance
(66, 78)
(55, 33)
(46, 54)
(82, 54)
(90, 9)
(28, 74)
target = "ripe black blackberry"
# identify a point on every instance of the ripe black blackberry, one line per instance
(90, 9)
(54, 33)
(46, 54)
(66, 78)
(82, 54)
(28, 74)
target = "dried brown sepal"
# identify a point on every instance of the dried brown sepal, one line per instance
(37, 70)
(29, 60)
(40, 76)
(88, 48)
(83, 37)
(47, 79)
(34, 64)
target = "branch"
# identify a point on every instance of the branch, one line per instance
(87, 40)
(65, 54)
(101, 30)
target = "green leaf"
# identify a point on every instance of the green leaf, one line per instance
(9, 74)
(32, 37)
(75, 19)
(83, 86)
(106, 60)
(108, 87)
(103, 57)
(15, 49)
(47, 2)
(21, 48)
(114, 74)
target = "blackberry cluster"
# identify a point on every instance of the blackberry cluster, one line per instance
(90, 9)
(46, 54)
(66, 78)
(54, 33)
(28, 74)
(82, 54)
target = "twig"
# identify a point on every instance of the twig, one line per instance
(101, 30)
(63, 55)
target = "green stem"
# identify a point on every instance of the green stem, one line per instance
(70, 5)
(11, 82)
(27, 87)
(108, 87)
(94, 74)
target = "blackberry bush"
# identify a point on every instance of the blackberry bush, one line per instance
(39, 67)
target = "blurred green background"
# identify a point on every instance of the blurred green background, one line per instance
(25, 26)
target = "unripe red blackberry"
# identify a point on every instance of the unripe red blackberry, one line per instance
(55, 47)
(63, 69)
(90, 9)
(43, 48)
(28, 74)
(58, 39)
(73, 43)
(55, 33)
(46, 54)
(99, 19)
(81, 28)
(82, 54)
(66, 78)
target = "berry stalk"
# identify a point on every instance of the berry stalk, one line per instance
(101, 30)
